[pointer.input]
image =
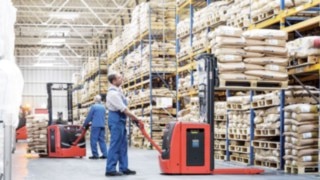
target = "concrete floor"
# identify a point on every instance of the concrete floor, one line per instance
(30, 167)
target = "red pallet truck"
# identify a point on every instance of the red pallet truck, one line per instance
(64, 140)
(188, 148)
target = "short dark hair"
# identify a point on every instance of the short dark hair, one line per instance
(112, 77)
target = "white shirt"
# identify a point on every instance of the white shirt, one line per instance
(115, 99)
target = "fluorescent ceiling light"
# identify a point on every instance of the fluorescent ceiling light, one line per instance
(64, 15)
(43, 64)
(53, 40)
(57, 30)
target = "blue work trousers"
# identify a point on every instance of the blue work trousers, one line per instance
(118, 150)
(98, 135)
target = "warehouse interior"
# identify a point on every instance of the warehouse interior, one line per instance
(244, 74)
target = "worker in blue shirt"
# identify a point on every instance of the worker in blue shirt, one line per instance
(117, 117)
(97, 115)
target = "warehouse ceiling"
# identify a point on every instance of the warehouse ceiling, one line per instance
(64, 33)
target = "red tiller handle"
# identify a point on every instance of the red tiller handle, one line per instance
(83, 133)
(140, 125)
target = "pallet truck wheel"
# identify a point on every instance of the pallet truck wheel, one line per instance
(81, 157)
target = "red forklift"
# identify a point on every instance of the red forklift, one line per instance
(64, 139)
(188, 147)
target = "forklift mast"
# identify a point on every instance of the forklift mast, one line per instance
(60, 87)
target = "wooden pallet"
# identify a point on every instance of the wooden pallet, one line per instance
(220, 157)
(239, 149)
(268, 164)
(301, 169)
(220, 147)
(266, 145)
(237, 106)
(252, 84)
(265, 16)
(265, 103)
(238, 131)
(266, 132)
(301, 62)
(200, 46)
(220, 136)
(239, 137)
(235, 158)
(220, 117)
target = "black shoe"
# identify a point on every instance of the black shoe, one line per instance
(103, 157)
(93, 157)
(114, 173)
(129, 172)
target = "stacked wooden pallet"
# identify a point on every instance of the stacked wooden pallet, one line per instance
(191, 111)
(220, 129)
(301, 136)
(37, 134)
(267, 130)
(239, 131)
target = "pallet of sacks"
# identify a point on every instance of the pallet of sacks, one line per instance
(301, 136)
(303, 52)
(37, 134)
(253, 59)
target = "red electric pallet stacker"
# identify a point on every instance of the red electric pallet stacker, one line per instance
(64, 140)
(188, 147)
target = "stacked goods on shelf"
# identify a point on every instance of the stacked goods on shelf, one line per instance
(37, 133)
(115, 46)
(76, 94)
(191, 111)
(220, 120)
(161, 16)
(160, 116)
(238, 13)
(301, 133)
(210, 15)
(100, 84)
(137, 138)
(153, 17)
(185, 85)
(239, 127)
(251, 56)
(304, 51)
(267, 54)
(267, 130)
(116, 66)
(242, 13)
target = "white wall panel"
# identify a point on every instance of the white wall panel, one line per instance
(35, 89)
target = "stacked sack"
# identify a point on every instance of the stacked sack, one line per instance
(227, 44)
(37, 133)
(301, 135)
(304, 47)
(266, 54)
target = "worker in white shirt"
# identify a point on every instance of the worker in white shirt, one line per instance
(117, 116)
